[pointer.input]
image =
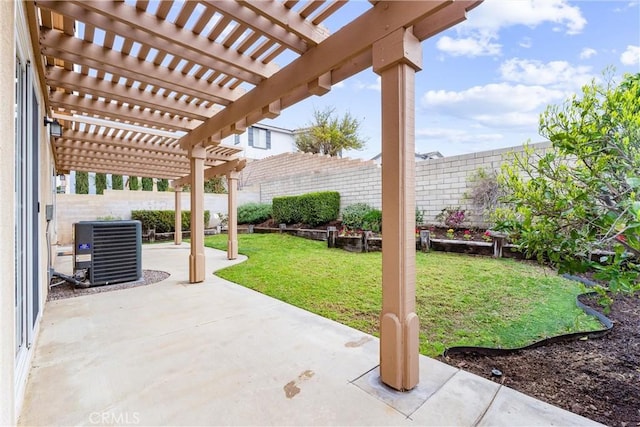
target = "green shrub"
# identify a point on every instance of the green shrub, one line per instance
(419, 216)
(82, 183)
(134, 184)
(353, 215)
(320, 207)
(108, 218)
(254, 213)
(285, 209)
(215, 185)
(101, 183)
(163, 184)
(372, 221)
(311, 208)
(116, 182)
(147, 184)
(163, 220)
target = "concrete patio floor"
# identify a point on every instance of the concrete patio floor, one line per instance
(215, 353)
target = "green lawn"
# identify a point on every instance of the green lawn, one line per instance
(461, 300)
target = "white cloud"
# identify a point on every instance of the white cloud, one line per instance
(497, 104)
(377, 86)
(526, 42)
(629, 5)
(552, 73)
(493, 15)
(456, 135)
(631, 56)
(468, 46)
(587, 53)
(479, 33)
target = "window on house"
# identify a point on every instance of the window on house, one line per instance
(236, 139)
(259, 138)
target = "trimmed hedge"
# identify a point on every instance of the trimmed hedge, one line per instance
(163, 220)
(147, 184)
(311, 208)
(254, 213)
(116, 182)
(101, 182)
(82, 182)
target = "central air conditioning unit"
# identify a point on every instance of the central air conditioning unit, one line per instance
(108, 251)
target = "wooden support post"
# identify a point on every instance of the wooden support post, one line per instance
(232, 223)
(197, 156)
(396, 59)
(332, 234)
(177, 235)
(425, 240)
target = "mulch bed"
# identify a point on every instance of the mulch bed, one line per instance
(596, 378)
(68, 290)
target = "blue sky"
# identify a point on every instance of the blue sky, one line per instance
(485, 82)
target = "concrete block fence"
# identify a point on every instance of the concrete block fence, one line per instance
(71, 208)
(440, 183)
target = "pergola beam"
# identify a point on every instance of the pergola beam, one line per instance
(75, 139)
(235, 165)
(275, 21)
(108, 90)
(110, 166)
(104, 151)
(113, 111)
(164, 36)
(68, 48)
(155, 103)
(67, 168)
(336, 50)
(100, 156)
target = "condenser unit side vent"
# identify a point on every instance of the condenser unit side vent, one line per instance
(109, 250)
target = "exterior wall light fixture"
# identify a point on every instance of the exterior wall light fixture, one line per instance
(55, 128)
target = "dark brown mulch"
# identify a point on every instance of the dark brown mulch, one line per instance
(68, 290)
(596, 378)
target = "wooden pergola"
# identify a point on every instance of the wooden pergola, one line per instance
(148, 88)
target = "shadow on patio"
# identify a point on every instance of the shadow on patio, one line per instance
(175, 353)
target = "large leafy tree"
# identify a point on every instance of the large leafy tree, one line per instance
(328, 134)
(578, 204)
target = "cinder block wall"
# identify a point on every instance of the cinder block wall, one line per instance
(355, 185)
(71, 208)
(440, 183)
(289, 164)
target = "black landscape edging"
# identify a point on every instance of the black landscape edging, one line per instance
(606, 322)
